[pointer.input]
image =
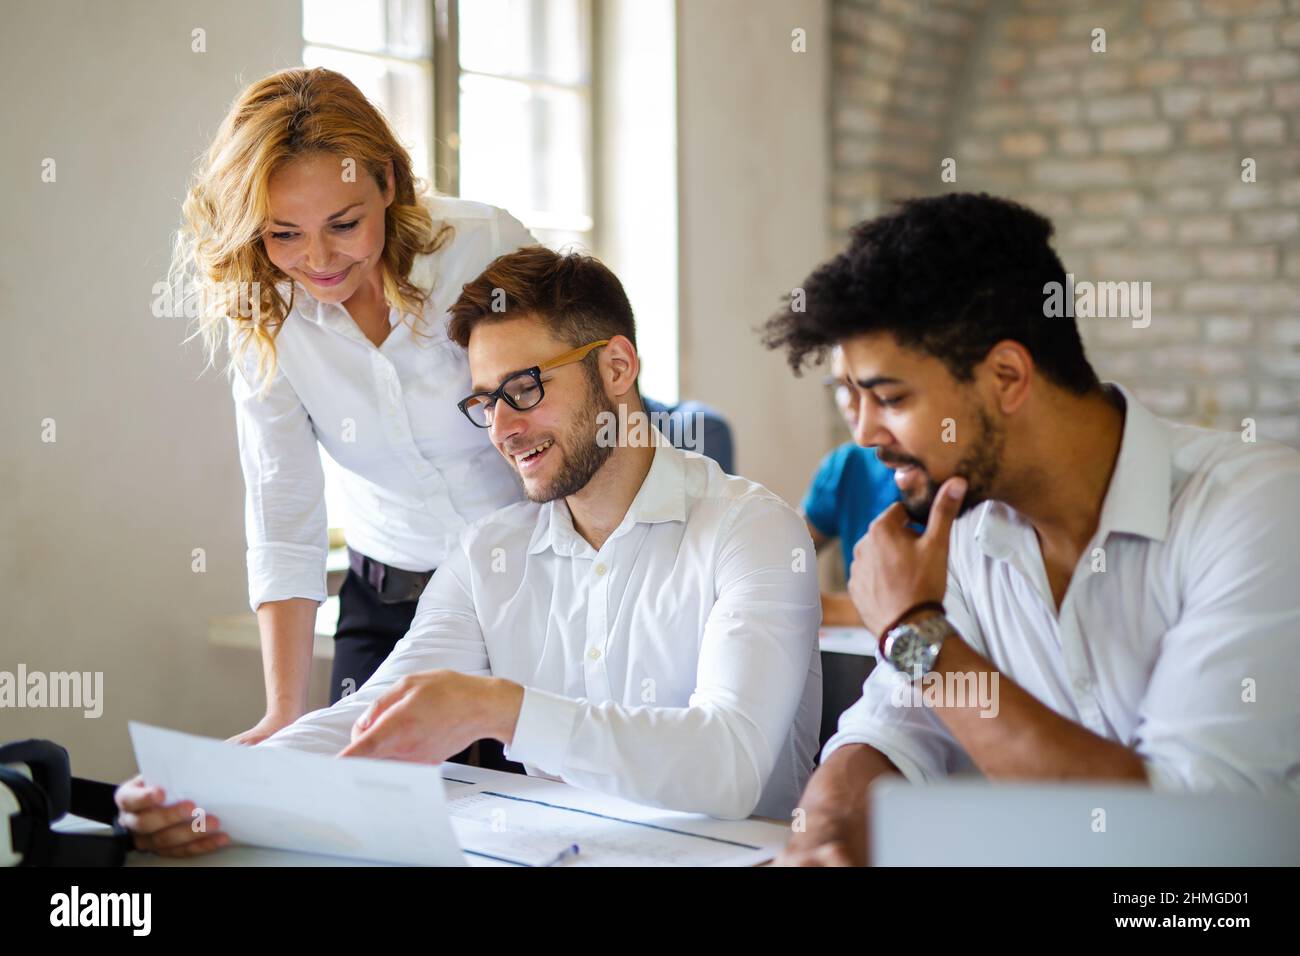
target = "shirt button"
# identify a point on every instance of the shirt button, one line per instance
(600, 570)
(594, 653)
(1082, 685)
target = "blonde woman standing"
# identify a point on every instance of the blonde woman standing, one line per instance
(329, 278)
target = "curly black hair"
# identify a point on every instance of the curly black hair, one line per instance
(949, 276)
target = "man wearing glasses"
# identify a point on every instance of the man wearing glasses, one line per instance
(644, 625)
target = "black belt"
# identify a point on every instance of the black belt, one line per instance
(393, 585)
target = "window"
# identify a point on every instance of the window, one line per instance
(523, 70)
(493, 98)
(385, 48)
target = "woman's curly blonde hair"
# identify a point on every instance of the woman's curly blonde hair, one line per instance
(219, 252)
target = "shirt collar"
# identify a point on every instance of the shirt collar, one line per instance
(661, 497)
(329, 315)
(1137, 499)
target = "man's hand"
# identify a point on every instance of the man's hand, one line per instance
(167, 830)
(835, 809)
(828, 848)
(263, 729)
(894, 568)
(428, 717)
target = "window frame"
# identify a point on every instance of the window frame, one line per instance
(447, 73)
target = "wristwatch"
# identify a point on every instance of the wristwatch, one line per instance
(912, 648)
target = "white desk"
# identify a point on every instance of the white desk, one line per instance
(857, 641)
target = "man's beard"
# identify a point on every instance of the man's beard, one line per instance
(581, 454)
(979, 466)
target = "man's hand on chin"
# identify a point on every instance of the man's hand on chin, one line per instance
(895, 569)
(430, 716)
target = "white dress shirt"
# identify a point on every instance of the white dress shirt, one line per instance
(1186, 647)
(414, 473)
(676, 666)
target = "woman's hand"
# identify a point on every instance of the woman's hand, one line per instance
(264, 728)
(168, 830)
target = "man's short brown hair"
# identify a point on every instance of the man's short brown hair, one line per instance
(576, 296)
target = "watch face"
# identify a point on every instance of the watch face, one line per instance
(913, 650)
(909, 653)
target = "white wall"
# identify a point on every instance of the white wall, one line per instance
(98, 527)
(636, 175)
(752, 181)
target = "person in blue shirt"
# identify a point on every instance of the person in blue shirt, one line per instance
(710, 435)
(851, 487)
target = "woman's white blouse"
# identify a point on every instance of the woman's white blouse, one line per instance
(414, 472)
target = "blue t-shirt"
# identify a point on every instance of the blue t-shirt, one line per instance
(850, 488)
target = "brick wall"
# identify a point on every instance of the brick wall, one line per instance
(1135, 153)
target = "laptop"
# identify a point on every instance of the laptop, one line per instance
(978, 823)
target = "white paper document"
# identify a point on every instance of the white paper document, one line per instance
(508, 819)
(378, 810)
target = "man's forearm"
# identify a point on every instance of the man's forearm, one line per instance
(1021, 738)
(835, 801)
(329, 729)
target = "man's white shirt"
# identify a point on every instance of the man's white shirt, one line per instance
(1179, 634)
(676, 666)
(414, 473)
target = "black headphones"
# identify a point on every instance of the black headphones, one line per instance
(46, 796)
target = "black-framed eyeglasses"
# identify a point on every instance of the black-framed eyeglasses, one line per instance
(521, 390)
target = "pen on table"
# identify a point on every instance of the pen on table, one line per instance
(568, 851)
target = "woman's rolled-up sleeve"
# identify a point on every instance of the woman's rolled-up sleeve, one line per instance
(284, 491)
